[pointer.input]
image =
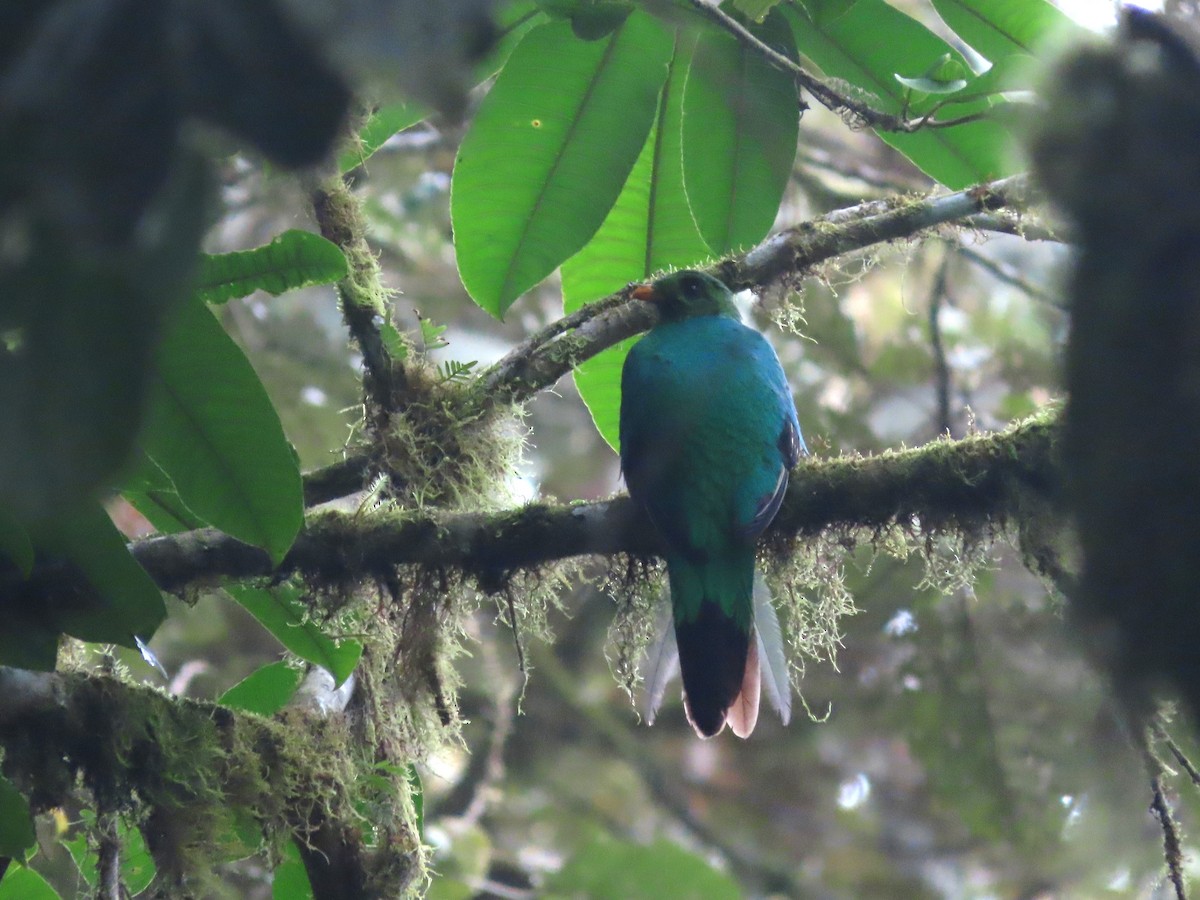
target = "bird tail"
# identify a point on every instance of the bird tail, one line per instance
(733, 666)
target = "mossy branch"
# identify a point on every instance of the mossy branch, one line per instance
(198, 771)
(548, 355)
(973, 484)
(362, 294)
(788, 254)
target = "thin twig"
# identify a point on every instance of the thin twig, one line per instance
(108, 852)
(1161, 810)
(1009, 275)
(362, 296)
(941, 368)
(826, 94)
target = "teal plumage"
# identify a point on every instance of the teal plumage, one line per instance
(708, 435)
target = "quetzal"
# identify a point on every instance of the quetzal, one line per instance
(708, 435)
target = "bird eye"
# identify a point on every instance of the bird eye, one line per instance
(691, 286)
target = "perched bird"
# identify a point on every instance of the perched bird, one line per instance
(708, 435)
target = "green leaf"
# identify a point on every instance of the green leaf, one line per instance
(214, 432)
(15, 543)
(293, 260)
(418, 797)
(741, 119)
(17, 833)
(865, 44)
(21, 883)
(999, 28)
(610, 868)
(264, 691)
(945, 76)
(380, 127)
(649, 228)
(290, 880)
(549, 151)
(152, 493)
(137, 865)
(280, 611)
(124, 601)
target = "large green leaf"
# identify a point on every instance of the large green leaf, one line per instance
(1000, 28)
(869, 43)
(295, 259)
(264, 691)
(280, 611)
(212, 429)
(16, 824)
(549, 150)
(649, 228)
(124, 602)
(152, 493)
(21, 883)
(740, 121)
(290, 879)
(611, 868)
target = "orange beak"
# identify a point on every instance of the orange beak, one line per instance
(644, 292)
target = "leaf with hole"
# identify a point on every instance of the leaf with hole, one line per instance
(549, 150)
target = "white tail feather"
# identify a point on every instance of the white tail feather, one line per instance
(662, 661)
(774, 663)
(742, 715)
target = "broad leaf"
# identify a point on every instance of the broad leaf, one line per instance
(290, 879)
(280, 611)
(214, 432)
(264, 691)
(999, 28)
(867, 44)
(293, 260)
(649, 228)
(153, 494)
(21, 883)
(549, 151)
(123, 601)
(16, 823)
(379, 128)
(741, 118)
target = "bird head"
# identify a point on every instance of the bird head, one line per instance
(686, 294)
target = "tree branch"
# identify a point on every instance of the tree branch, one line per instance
(540, 361)
(555, 350)
(974, 483)
(191, 765)
(828, 96)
